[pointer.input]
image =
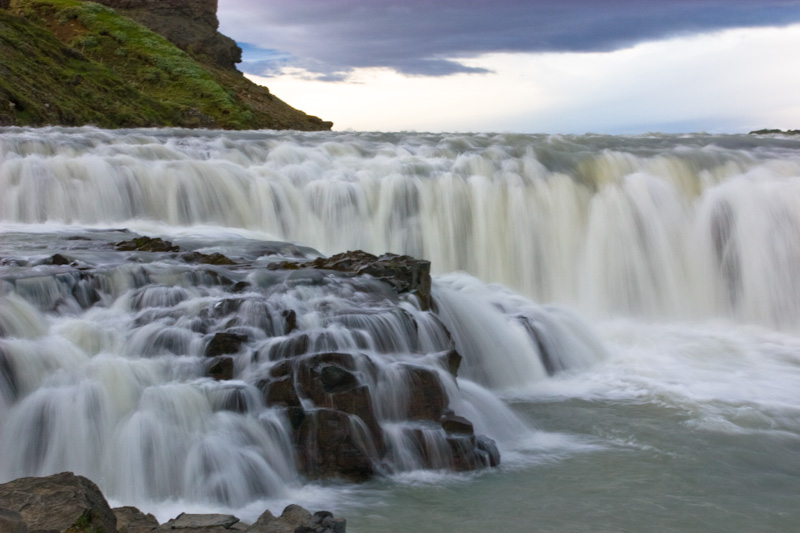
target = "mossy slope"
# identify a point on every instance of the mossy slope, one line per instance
(71, 62)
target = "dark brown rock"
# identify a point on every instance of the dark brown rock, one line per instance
(147, 244)
(427, 398)
(289, 321)
(358, 401)
(289, 347)
(281, 392)
(451, 360)
(224, 343)
(337, 379)
(132, 520)
(59, 502)
(330, 446)
(207, 259)
(403, 273)
(457, 425)
(489, 448)
(221, 369)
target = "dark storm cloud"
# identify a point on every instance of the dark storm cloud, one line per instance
(329, 38)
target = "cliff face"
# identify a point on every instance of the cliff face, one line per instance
(190, 24)
(129, 63)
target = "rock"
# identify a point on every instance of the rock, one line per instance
(59, 502)
(457, 425)
(207, 259)
(289, 347)
(289, 320)
(337, 379)
(295, 519)
(330, 446)
(11, 521)
(132, 520)
(146, 244)
(221, 369)
(4, 4)
(486, 445)
(403, 273)
(189, 24)
(201, 521)
(281, 392)
(451, 360)
(427, 398)
(224, 343)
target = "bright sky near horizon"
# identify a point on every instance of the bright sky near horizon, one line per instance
(530, 66)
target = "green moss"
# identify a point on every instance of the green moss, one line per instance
(74, 62)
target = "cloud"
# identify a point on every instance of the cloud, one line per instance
(331, 38)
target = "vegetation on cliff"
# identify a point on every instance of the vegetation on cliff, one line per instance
(73, 63)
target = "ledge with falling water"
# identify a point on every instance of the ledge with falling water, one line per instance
(228, 377)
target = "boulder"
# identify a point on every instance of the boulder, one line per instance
(132, 520)
(330, 445)
(427, 398)
(221, 368)
(224, 343)
(280, 392)
(201, 521)
(147, 244)
(403, 273)
(59, 502)
(296, 519)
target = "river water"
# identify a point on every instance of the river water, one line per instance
(659, 272)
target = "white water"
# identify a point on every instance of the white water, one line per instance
(675, 405)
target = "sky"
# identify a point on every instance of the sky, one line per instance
(527, 66)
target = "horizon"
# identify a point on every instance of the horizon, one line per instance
(687, 67)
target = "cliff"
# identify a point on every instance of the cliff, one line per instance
(71, 62)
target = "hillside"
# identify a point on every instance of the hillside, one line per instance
(72, 63)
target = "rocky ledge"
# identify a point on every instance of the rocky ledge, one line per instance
(69, 503)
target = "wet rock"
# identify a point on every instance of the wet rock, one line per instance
(330, 445)
(427, 398)
(296, 519)
(201, 521)
(221, 369)
(451, 360)
(457, 425)
(281, 392)
(224, 343)
(337, 379)
(289, 347)
(358, 401)
(207, 259)
(146, 244)
(403, 273)
(488, 447)
(57, 259)
(59, 502)
(289, 320)
(132, 520)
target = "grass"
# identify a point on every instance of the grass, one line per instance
(72, 62)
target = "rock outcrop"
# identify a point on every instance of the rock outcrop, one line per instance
(190, 24)
(67, 503)
(60, 502)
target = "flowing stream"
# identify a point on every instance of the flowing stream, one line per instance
(627, 310)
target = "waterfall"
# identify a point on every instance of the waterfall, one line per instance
(163, 378)
(660, 227)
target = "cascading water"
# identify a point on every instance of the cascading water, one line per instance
(110, 363)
